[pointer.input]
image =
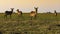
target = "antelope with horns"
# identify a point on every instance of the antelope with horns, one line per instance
(19, 12)
(34, 13)
(9, 12)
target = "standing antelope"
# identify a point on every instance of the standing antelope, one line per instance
(9, 12)
(55, 12)
(19, 12)
(36, 9)
(34, 13)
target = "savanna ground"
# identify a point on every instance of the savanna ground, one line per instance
(43, 24)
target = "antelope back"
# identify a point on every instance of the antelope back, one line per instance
(33, 13)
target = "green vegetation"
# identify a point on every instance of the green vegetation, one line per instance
(43, 24)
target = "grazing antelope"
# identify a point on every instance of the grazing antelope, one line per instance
(19, 12)
(9, 12)
(55, 12)
(34, 13)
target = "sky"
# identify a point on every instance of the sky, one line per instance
(28, 5)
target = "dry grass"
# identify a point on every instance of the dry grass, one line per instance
(43, 24)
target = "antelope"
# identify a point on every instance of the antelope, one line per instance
(9, 12)
(55, 12)
(19, 12)
(34, 13)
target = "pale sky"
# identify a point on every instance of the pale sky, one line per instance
(28, 5)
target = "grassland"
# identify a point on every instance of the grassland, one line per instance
(43, 24)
